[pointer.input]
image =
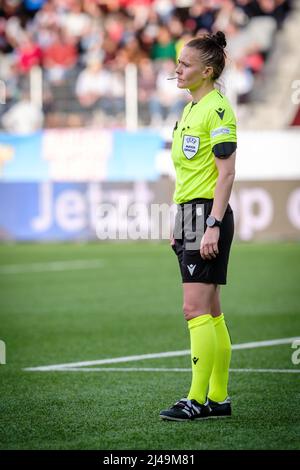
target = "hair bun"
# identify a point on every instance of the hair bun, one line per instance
(220, 39)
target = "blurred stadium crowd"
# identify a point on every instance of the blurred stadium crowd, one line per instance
(84, 46)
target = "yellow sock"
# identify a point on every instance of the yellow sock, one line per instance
(203, 346)
(219, 378)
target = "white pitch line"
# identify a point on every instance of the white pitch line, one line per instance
(273, 371)
(166, 369)
(50, 266)
(117, 360)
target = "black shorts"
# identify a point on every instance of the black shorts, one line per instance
(189, 228)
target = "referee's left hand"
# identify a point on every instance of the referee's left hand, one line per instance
(209, 243)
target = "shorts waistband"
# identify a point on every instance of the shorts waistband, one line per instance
(200, 200)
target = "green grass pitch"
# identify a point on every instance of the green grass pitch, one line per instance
(131, 305)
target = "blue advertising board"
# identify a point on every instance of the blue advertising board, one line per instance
(80, 155)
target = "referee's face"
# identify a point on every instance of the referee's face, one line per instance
(191, 72)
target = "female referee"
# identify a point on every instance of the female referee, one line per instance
(203, 152)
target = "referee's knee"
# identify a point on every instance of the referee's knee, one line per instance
(190, 311)
(194, 309)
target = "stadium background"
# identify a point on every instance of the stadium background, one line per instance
(86, 118)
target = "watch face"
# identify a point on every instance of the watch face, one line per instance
(210, 222)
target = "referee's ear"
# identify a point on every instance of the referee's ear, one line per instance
(208, 72)
(224, 149)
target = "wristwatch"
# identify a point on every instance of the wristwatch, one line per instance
(211, 221)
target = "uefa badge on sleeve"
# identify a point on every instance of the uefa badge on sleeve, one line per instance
(190, 146)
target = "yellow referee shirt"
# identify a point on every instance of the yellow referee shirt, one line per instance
(203, 125)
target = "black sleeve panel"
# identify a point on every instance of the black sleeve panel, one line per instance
(224, 149)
